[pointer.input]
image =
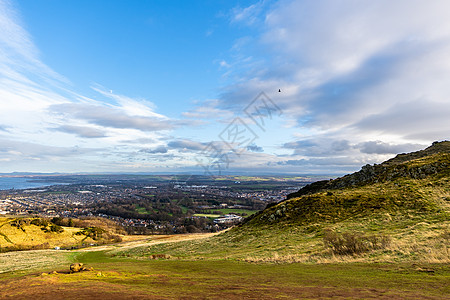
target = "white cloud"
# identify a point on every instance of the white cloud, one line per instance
(43, 120)
(359, 80)
(360, 71)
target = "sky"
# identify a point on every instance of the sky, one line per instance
(220, 87)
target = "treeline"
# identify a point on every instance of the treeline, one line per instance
(141, 209)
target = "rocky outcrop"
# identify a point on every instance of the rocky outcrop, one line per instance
(403, 165)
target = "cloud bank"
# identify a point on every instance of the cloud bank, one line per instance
(357, 77)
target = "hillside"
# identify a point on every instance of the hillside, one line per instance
(416, 165)
(417, 182)
(26, 233)
(395, 211)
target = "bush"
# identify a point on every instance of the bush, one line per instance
(58, 221)
(350, 243)
(19, 223)
(56, 228)
(94, 233)
(114, 238)
(40, 222)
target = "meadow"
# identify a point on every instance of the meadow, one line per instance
(44, 274)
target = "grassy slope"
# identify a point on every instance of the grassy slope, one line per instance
(30, 236)
(33, 236)
(413, 213)
(253, 261)
(126, 278)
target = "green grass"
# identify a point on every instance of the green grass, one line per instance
(207, 215)
(238, 211)
(142, 210)
(174, 279)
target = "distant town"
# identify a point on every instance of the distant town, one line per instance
(152, 204)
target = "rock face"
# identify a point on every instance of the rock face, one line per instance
(411, 165)
(77, 267)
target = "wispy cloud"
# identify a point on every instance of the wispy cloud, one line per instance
(377, 147)
(110, 117)
(359, 81)
(248, 15)
(82, 131)
(209, 109)
(44, 119)
(157, 150)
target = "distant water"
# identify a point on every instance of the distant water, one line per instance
(19, 183)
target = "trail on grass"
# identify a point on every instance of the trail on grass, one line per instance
(151, 240)
(50, 259)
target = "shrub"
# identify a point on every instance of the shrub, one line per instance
(39, 222)
(58, 221)
(94, 233)
(56, 228)
(350, 243)
(19, 223)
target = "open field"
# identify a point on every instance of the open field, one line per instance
(127, 278)
(43, 260)
(204, 266)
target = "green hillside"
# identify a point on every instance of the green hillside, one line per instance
(417, 183)
(395, 211)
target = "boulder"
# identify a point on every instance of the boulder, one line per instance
(77, 267)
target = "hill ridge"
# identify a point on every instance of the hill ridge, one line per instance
(399, 166)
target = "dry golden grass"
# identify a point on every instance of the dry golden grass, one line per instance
(34, 260)
(30, 236)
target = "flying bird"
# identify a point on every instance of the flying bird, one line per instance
(279, 90)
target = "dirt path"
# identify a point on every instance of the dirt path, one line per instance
(151, 240)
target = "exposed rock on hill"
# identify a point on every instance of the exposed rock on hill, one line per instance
(413, 183)
(415, 165)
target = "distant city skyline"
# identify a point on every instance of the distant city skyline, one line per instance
(220, 87)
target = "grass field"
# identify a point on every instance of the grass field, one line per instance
(207, 215)
(142, 210)
(131, 278)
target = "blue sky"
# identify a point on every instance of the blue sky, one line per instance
(160, 86)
